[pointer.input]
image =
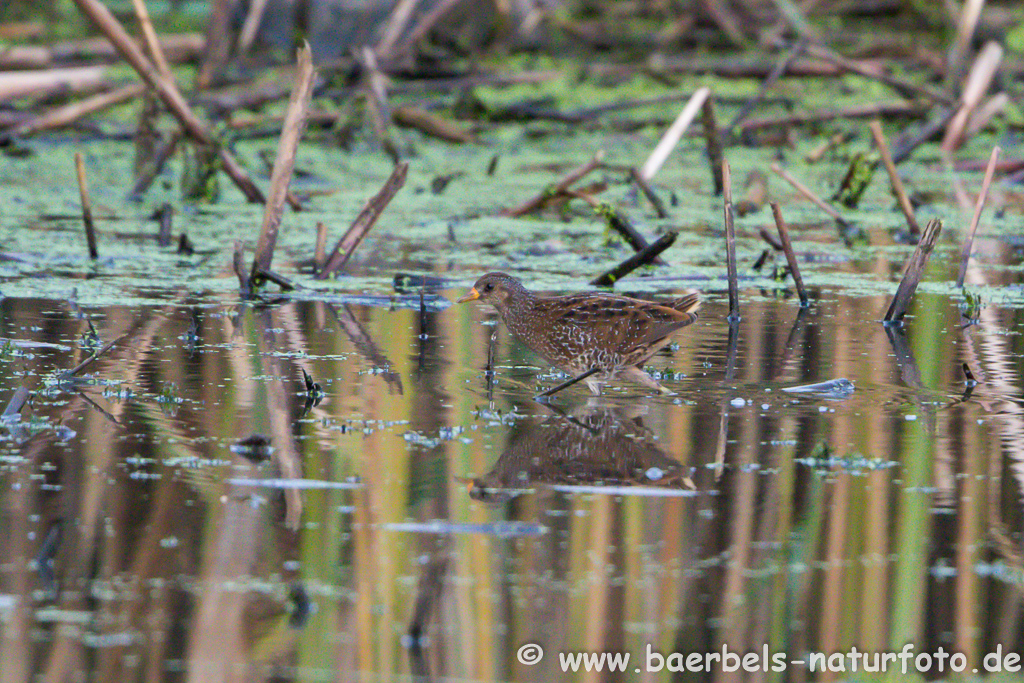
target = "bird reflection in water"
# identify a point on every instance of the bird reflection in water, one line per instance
(593, 445)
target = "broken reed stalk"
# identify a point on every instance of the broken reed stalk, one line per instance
(284, 163)
(806, 192)
(164, 216)
(320, 252)
(713, 140)
(649, 255)
(648, 191)
(965, 255)
(560, 187)
(978, 81)
(894, 177)
(787, 247)
(238, 265)
(364, 222)
(69, 113)
(168, 92)
(912, 275)
(154, 168)
(730, 245)
(566, 384)
(83, 191)
(156, 52)
(674, 133)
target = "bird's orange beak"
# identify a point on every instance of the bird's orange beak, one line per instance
(472, 295)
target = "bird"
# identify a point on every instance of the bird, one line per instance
(607, 335)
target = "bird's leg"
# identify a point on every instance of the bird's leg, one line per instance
(641, 377)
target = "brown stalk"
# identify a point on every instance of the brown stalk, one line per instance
(156, 52)
(730, 245)
(218, 46)
(641, 258)
(894, 177)
(251, 25)
(78, 79)
(965, 255)
(168, 92)
(978, 81)
(616, 221)
(912, 276)
(429, 124)
(320, 253)
(806, 192)
(69, 113)
(713, 140)
(284, 164)
(577, 174)
(83, 191)
(787, 247)
(364, 222)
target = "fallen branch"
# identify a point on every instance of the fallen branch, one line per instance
(60, 117)
(648, 191)
(538, 201)
(284, 164)
(965, 255)
(616, 221)
(83, 191)
(787, 247)
(641, 258)
(912, 276)
(894, 177)
(364, 222)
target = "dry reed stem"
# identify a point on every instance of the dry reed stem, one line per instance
(674, 133)
(894, 177)
(965, 255)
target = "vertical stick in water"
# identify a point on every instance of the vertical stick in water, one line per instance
(90, 230)
(787, 247)
(730, 244)
(965, 256)
(912, 276)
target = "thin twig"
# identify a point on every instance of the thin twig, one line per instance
(69, 113)
(787, 247)
(901, 86)
(83, 191)
(641, 258)
(965, 255)
(284, 164)
(730, 244)
(806, 192)
(674, 133)
(859, 111)
(912, 276)
(364, 222)
(894, 177)
(566, 384)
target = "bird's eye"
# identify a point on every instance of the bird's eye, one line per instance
(488, 287)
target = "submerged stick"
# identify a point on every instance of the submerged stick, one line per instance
(787, 247)
(641, 258)
(894, 177)
(730, 245)
(284, 164)
(965, 255)
(566, 384)
(912, 275)
(83, 191)
(806, 192)
(560, 187)
(364, 222)
(674, 133)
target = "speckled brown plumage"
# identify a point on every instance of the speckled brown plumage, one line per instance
(577, 332)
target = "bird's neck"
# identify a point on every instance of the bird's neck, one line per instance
(519, 304)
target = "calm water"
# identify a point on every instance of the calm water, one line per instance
(424, 501)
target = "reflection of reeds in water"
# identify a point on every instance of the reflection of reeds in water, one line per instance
(799, 557)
